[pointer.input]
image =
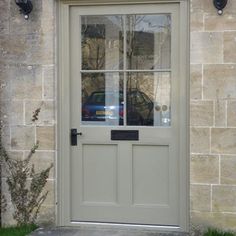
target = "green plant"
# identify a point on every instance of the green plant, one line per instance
(216, 232)
(17, 231)
(24, 184)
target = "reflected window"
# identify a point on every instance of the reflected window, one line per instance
(126, 70)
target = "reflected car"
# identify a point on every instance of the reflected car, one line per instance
(109, 106)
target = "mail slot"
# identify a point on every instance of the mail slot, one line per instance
(124, 135)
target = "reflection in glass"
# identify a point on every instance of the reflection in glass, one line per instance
(102, 99)
(148, 41)
(102, 42)
(148, 99)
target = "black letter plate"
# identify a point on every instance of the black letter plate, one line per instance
(124, 135)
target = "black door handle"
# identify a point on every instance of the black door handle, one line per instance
(73, 136)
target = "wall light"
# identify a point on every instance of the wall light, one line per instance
(25, 6)
(220, 5)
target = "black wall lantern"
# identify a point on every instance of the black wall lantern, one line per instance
(220, 5)
(25, 6)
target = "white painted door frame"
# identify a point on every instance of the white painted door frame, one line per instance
(63, 188)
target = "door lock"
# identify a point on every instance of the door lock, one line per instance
(73, 136)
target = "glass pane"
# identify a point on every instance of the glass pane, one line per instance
(102, 99)
(102, 42)
(148, 99)
(148, 41)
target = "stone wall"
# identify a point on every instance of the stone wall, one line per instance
(213, 114)
(28, 81)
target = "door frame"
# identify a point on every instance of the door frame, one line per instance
(63, 163)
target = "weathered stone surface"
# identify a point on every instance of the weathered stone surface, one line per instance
(46, 137)
(223, 198)
(26, 82)
(204, 169)
(50, 187)
(48, 82)
(12, 112)
(223, 140)
(22, 137)
(212, 219)
(231, 113)
(229, 47)
(5, 83)
(15, 155)
(6, 136)
(200, 140)
(42, 160)
(219, 81)
(200, 196)
(216, 23)
(220, 113)
(27, 49)
(228, 167)
(4, 12)
(196, 81)
(46, 115)
(206, 47)
(47, 216)
(201, 113)
(197, 22)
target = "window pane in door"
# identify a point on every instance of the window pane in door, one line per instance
(102, 42)
(148, 41)
(148, 99)
(102, 99)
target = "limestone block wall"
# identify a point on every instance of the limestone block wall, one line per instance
(213, 114)
(28, 81)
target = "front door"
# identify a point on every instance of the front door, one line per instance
(124, 164)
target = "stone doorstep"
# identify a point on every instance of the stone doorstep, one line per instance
(71, 231)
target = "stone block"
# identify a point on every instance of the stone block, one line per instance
(201, 113)
(196, 22)
(196, 81)
(46, 137)
(204, 169)
(46, 115)
(200, 196)
(229, 47)
(4, 13)
(206, 47)
(42, 160)
(223, 140)
(15, 155)
(5, 83)
(5, 135)
(224, 198)
(50, 188)
(219, 81)
(12, 112)
(26, 82)
(231, 114)
(48, 82)
(29, 49)
(228, 167)
(223, 23)
(22, 137)
(220, 113)
(224, 221)
(47, 216)
(200, 140)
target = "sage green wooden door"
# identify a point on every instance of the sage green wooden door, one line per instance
(124, 76)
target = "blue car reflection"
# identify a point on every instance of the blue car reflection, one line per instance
(105, 106)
